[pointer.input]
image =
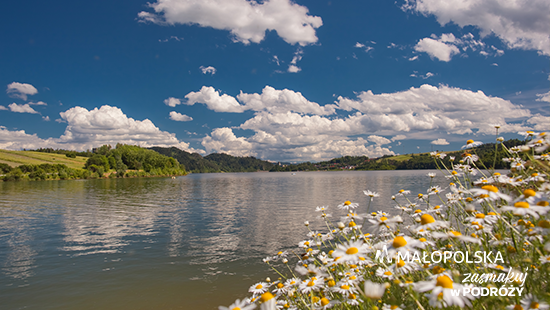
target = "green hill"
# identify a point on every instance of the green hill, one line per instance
(17, 158)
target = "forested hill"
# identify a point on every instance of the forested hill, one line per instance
(194, 162)
(226, 163)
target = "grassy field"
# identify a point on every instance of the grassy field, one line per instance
(16, 158)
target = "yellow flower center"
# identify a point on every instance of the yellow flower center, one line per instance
(352, 296)
(469, 141)
(438, 270)
(534, 305)
(345, 287)
(521, 204)
(401, 190)
(542, 203)
(331, 283)
(266, 296)
(324, 301)
(518, 307)
(456, 233)
(544, 224)
(347, 203)
(417, 211)
(444, 281)
(393, 307)
(490, 188)
(480, 216)
(236, 308)
(491, 213)
(383, 218)
(400, 263)
(352, 250)
(529, 193)
(437, 207)
(399, 241)
(310, 283)
(454, 172)
(352, 224)
(534, 174)
(426, 219)
(259, 286)
(388, 273)
(280, 285)
(423, 239)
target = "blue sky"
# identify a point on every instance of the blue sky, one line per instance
(279, 80)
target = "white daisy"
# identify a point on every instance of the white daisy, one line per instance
(352, 252)
(471, 143)
(258, 288)
(347, 205)
(239, 305)
(441, 294)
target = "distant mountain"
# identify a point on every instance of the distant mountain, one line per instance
(194, 162)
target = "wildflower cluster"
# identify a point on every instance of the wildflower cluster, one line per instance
(481, 241)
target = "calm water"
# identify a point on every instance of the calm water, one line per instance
(194, 241)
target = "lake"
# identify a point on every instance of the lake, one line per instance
(161, 243)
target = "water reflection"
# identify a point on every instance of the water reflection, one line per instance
(140, 243)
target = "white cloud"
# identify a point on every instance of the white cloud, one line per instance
(378, 140)
(223, 140)
(359, 45)
(172, 102)
(428, 107)
(22, 108)
(3, 107)
(20, 90)
(88, 129)
(544, 97)
(440, 142)
(413, 58)
(38, 103)
(175, 116)
(399, 137)
(539, 122)
(437, 48)
(294, 69)
(46, 118)
(281, 101)
(208, 69)
(213, 100)
(270, 99)
(520, 24)
(246, 20)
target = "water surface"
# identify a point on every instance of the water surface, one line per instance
(161, 243)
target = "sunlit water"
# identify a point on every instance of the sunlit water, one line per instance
(193, 242)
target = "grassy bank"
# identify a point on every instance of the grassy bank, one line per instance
(17, 158)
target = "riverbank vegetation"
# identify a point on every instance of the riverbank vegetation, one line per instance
(105, 161)
(480, 240)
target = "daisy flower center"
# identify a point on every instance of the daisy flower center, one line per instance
(422, 239)
(521, 204)
(347, 203)
(542, 203)
(345, 287)
(529, 193)
(388, 273)
(399, 241)
(236, 308)
(456, 233)
(383, 218)
(259, 286)
(426, 219)
(444, 281)
(352, 250)
(534, 305)
(266, 296)
(480, 216)
(469, 141)
(324, 301)
(352, 224)
(400, 263)
(518, 307)
(393, 307)
(490, 188)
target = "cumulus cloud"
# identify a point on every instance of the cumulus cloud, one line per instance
(246, 20)
(38, 103)
(178, 117)
(399, 137)
(172, 102)
(223, 140)
(293, 68)
(439, 48)
(520, 24)
(213, 100)
(454, 110)
(87, 129)
(21, 90)
(284, 100)
(3, 107)
(22, 108)
(440, 142)
(539, 122)
(270, 99)
(209, 69)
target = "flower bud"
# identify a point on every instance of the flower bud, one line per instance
(341, 225)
